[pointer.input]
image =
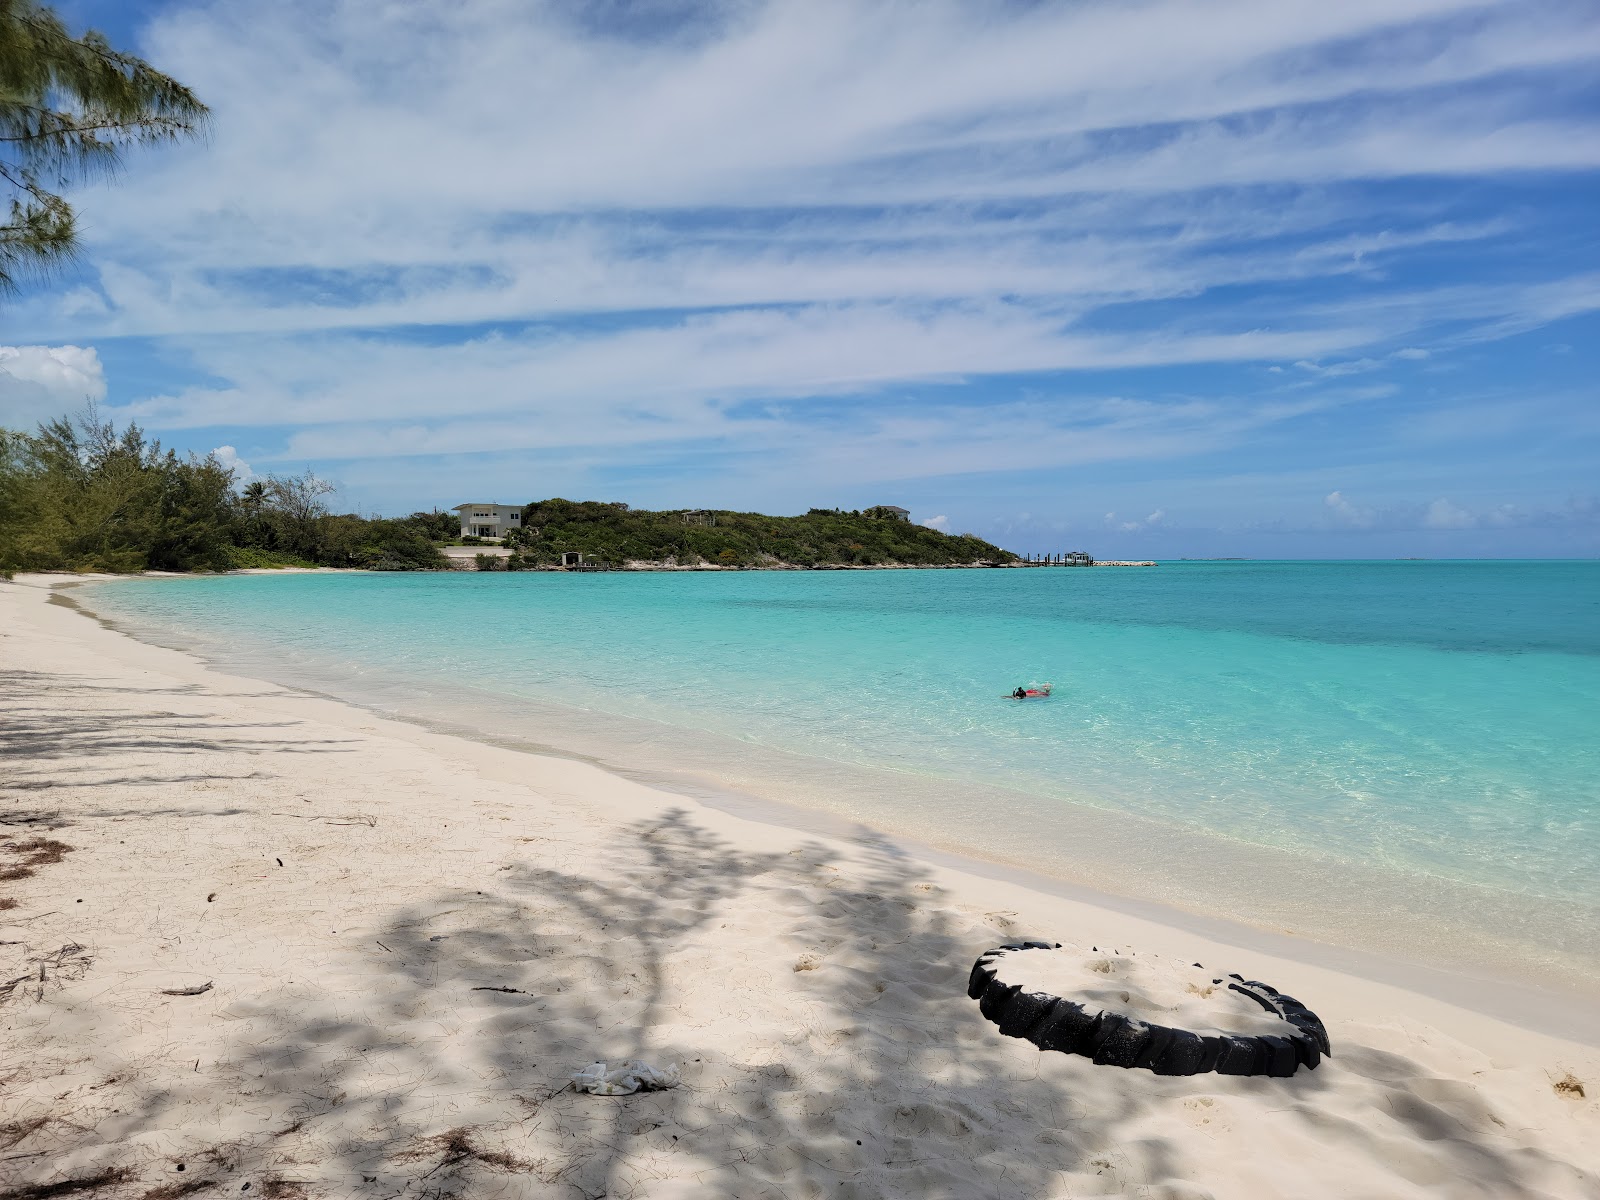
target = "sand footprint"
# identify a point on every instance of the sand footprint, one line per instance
(1203, 1112)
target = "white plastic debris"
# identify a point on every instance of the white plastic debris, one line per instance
(632, 1076)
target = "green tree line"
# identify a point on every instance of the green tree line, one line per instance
(614, 533)
(79, 496)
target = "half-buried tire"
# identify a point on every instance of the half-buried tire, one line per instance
(1087, 1026)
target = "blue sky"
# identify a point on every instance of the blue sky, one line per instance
(1150, 278)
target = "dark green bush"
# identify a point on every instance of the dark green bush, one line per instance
(242, 558)
(822, 537)
(78, 496)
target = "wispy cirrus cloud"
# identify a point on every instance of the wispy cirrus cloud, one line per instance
(703, 363)
(827, 236)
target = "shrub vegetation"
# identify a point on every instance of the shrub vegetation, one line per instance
(79, 496)
(823, 537)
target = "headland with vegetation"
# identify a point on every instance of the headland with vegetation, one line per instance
(78, 495)
(612, 534)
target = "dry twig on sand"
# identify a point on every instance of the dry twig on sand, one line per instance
(67, 1187)
(196, 990)
(70, 960)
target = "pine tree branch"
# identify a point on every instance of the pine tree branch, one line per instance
(171, 125)
(134, 74)
(68, 105)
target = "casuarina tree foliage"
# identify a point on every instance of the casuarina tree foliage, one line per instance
(78, 495)
(69, 106)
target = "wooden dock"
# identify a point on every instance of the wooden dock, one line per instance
(1069, 558)
(1074, 559)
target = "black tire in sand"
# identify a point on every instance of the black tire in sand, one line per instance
(1063, 1024)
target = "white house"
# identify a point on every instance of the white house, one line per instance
(489, 520)
(892, 511)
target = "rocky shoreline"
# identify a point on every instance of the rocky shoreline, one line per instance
(461, 561)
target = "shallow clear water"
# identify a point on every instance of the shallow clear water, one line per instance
(1433, 722)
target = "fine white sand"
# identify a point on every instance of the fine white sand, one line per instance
(411, 941)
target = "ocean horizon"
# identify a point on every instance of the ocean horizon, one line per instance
(1395, 755)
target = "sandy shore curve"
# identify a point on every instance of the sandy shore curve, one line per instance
(251, 936)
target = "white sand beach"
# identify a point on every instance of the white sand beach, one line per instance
(412, 941)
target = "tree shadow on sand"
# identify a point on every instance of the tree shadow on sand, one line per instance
(42, 747)
(437, 1064)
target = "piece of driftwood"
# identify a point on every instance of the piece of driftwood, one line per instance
(188, 991)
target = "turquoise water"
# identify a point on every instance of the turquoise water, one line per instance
(1432, 724)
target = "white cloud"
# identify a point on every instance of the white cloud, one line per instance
(229, 458)
(1446, 516)
(679, 380)
(1357, 366)
(1362, 366)
(1442, 514)
(799, 195)
(788, 101)
(783, 105)
(1347, 513)
(941, 523)
(1136, 526)
(39, 383)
